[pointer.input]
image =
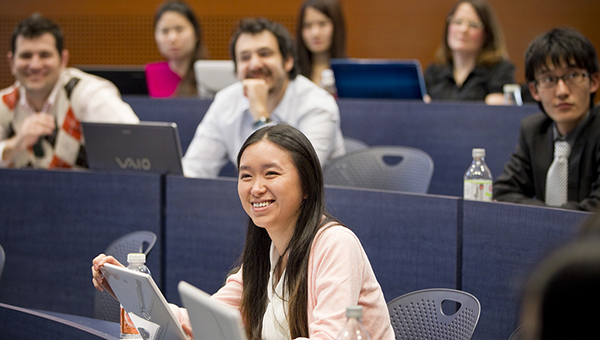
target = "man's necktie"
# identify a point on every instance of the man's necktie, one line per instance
(558, 175)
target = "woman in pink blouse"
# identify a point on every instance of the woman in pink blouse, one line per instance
(179, 40)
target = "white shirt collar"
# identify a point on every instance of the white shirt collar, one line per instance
(48, 104)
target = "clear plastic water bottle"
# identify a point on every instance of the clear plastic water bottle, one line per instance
(478, 179)
(512, 94)
(328, 82)
(354, 329)
(137, 262)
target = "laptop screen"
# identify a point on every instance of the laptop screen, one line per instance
(147, 146)
(128, 79)
(378, 78)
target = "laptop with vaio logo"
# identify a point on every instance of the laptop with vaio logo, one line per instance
(148, 147)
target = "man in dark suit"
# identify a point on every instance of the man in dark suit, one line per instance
(557, 160)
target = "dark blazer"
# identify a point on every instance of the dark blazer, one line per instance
(524, 177)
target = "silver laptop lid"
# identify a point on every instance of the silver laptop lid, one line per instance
(146, 305)
(147, 146)
(210, 319)
(213, 75)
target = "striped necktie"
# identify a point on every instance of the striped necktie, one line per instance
(558, 175)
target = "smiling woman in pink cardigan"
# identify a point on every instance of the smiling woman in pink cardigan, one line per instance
(300, 267)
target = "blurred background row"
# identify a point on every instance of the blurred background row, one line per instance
(117, 32)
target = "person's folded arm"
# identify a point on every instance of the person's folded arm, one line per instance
(500, 74)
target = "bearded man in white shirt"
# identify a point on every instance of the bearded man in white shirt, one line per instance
(269, 91)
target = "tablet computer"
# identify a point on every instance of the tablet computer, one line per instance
(378, 78)
(147, 146)
(146, 305)
(210, 319)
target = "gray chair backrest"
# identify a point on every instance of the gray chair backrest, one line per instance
(517, 333)
(105, 306)
(419, 315)
(2, 259)
(354, 145)
(383, 167)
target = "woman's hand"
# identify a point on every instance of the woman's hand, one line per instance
(98, 279)
(187, 329)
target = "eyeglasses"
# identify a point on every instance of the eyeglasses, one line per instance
(472, 24)
(570, 79)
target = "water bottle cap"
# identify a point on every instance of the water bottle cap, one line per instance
(354, 312)
(327, 73)
(136, 258)
(477, 152)
(511, 88)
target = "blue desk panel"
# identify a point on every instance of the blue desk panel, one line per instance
(409, 247)
(205, 232)
(19, 324)
(447, 131)
(53, 223)
(502, 243)
(411, 239)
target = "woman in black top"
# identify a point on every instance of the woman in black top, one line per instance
(471, 62)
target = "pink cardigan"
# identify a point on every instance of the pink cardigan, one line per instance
(339, 275)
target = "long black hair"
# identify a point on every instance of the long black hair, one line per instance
(255, 257)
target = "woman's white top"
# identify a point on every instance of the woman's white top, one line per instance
(275, 323)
